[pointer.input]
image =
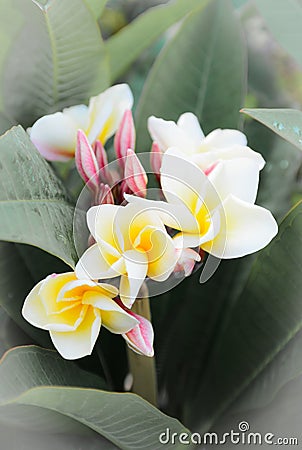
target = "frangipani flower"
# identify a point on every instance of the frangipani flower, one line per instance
(55, 135)
(188, 138)
(73, 311)
(131, 242)
(229, 224)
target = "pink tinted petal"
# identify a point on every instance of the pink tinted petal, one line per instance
(210, 168)
(135, 175)
(102, 160)
(156, 159)
(140, 338)
(100, 154)
(186, 262)
(86, 161)
(125, 136)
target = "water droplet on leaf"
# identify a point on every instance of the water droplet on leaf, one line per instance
(279, 125)
(284, 164)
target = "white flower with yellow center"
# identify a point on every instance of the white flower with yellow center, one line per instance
(229, 224)
(73, 311)
(55, 135)
(188, 138)
(131, 242)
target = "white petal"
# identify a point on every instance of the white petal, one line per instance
(245, 229)
(167, 134)
(100, 221)
(79, 114)
(239, 177)
(136, 265)
(33, 309)
(176, 216)
(114, 318)
(190, 124)
(62, 318)
(207, 158)
(75, 290)
(95, 263)
(212, 228)
(183, 182)
(162, 256)
(106, 112)
(132, 219)
(79, 343)
(54, 136)
(224, 138)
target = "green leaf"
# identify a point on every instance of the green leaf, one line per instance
(285, 367)
(265, 318)
(30, 380)
(60, 50)
(284, 21)
(285, 122)
(27, 367)
(188, 319)
(239, 3)
(34, 207)
(10, 334)
(126, 45)
(96, 7)
(17, 437)
(201, 70)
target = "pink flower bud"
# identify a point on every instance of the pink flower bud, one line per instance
(187, 259)
(156, 159)
(104, 195)
(102, 160)
(140, 338)
(135, 175)
(86, 162)
(125, 137)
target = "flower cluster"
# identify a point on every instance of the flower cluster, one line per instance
(208, 184)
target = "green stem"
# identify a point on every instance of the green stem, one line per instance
(142, 368)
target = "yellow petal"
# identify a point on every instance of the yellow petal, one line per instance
(106, 112)
(80, 342)
(114, 318)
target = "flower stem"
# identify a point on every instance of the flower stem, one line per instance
(142, 368)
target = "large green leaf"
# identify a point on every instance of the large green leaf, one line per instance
(16, 437)
(55, 59)
(27, 367)
(30, 380)
(281, 416)
(285, 122)
(126, 45)
(201, 70)
(285, 367)
(265, 318)
(188, 319)
(34, 208)
(96, 6)
(284, 22)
